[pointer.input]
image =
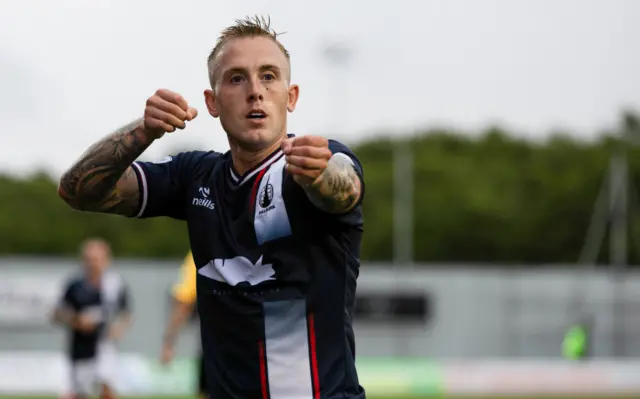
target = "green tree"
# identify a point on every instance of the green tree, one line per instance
(485, 198)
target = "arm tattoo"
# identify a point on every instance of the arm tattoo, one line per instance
(337, 189)
(102, 180)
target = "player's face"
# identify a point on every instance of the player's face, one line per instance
(252, 95)
(95, 257)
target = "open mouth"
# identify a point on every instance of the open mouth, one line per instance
(256, 114)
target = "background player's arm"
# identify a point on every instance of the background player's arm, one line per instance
(124, 316)
(64, 316)
(338, 188)
(184, 300)
(180, 313)
(102, 179)
(120, 326)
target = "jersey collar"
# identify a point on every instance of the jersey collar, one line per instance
(240, 180)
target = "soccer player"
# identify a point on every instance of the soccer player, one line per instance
(184, 300)
(275, 224)
(96, 311)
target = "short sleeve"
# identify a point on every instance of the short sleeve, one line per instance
(163, 184)
(185, 290)
(339, 149)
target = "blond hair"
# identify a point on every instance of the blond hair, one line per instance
(253, 26)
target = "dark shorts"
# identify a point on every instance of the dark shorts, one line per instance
(202, 381)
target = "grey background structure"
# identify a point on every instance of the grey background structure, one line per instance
(476, 312)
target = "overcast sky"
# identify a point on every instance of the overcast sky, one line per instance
(74, 70)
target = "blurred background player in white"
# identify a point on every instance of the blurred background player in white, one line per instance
(95, 309)
(182, 310)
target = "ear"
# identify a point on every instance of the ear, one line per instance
(210, 100)
(292, 100)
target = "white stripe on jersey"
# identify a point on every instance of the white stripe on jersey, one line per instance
(288, 364)
(145, 189)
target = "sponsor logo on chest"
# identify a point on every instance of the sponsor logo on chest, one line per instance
(238, 270)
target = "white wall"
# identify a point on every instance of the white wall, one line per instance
(478, 312)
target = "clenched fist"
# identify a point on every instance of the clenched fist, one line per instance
(165, 112)
(306, 157)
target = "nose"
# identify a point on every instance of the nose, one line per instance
(256, 90)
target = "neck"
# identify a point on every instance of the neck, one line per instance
(245, 159)
(94, 278)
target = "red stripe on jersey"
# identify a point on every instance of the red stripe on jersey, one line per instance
(314, 357)
(254, 189)
(263, 371)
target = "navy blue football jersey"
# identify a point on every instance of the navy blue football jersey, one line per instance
(101, 303)
(276, 275)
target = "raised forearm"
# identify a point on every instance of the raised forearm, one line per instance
(337, 189)
(94, 182)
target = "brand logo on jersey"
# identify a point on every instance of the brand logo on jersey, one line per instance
(266, 197)
(205, 201)
(204, 191)
(238, 270)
